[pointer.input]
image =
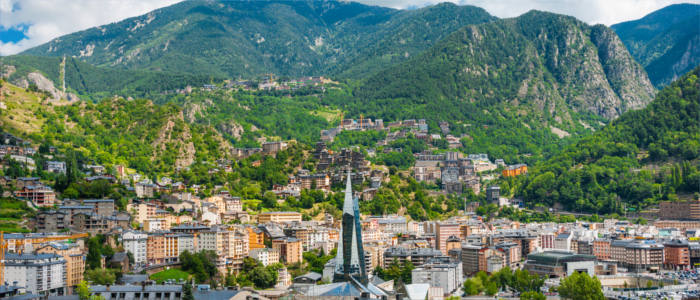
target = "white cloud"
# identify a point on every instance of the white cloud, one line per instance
(606, 12)
(49, 19)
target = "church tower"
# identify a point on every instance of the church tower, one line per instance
(350, 258)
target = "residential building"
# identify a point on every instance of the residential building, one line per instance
(43, 274)
(40, 195)
(417, 256)
(682, 210)
(256, 237)
(444, 231)
(74, 257)
(442, 273)
(514, 170)
(58, 167)
(156, 248)
(601, 249)
(470, 259)
(136, 243)
(676, 254)
(279, 217)
(290, 249)
(266, 256)
(563, 241)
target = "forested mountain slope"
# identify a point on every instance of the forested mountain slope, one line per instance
(90, 82)
(639, 159)
(136, 133)
(666, 42)
(250, 38)
(552, 65)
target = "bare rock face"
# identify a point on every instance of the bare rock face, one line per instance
(44, 84)
(231, 128)
(627, 78)
(6, 71)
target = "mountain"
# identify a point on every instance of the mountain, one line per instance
(90, 82)
(250, 38)
(666, 42)
(141, 135)
(641, 158)
(536, 71)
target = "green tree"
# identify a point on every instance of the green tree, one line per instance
(83, 290)
(473, 286)
(187, 292)
(580, 286)
(263, 277)
(101, 276)
(532, 295)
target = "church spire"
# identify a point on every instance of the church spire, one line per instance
(350, 260)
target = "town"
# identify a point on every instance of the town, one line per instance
(349, 150)
(146, 244)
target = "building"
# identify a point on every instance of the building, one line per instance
(136, 243)
(58, 167)
(514, 170)
(470, 259)
(442, 273)
(279, 217)
(266, 256)
(601, 249)
(563, 241)
(43, 274)
(52, 221)
(349, 266)
(676, 254)
(256, 237)
(559, 263)
(684, 210)
(155, 244)
(102, 207)
(443, 231)
(417, 256)
(350, 258)
(273, 147)
(637, 255)
(511, 253)
(493, 193)
(290, 249)
(74, 257)
(40, 195)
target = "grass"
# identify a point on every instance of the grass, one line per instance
(172, 273)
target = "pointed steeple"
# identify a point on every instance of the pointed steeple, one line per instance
(350, 259)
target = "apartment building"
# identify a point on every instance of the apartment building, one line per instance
(41, 274)
(266, 256)
(279, 217)
(676, 254)
(74, 257)
(290, 249)
(136, 243)
(443, 231)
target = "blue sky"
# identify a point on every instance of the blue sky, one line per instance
(28, 23)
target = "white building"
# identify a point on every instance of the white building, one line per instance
(440, 273)
(135, 242)
(563, 241)
(43, 274)
(265, 256)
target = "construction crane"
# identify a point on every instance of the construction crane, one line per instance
(3, 246)
(41, 240)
